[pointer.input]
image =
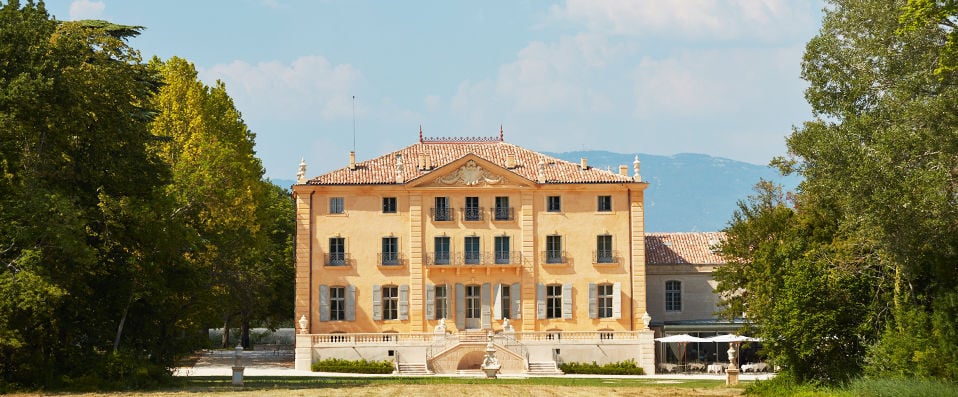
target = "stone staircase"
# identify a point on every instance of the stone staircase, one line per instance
(544, 368)
(413, 369)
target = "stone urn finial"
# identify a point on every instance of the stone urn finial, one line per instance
(646, 319)
(303, 324)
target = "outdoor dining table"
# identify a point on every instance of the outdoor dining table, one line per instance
(717, 368)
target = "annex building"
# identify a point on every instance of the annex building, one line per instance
(419, 255)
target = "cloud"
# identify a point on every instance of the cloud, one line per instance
(713, 83)
(86, 9)
(308, 87)
(695, 19)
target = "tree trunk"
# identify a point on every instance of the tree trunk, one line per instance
(119, 328)
(226, 333)
(245, 334)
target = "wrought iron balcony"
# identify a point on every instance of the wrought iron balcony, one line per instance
(441, 214)
(438, 258)
(605, 256)
(554, 257)
(472, 214)
(390, 259)
(508, 258)
(503, 213)
(336, 259)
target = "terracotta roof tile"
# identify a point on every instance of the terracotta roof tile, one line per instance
(382, 169)
(682, 248)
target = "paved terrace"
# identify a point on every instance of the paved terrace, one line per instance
(280, 363)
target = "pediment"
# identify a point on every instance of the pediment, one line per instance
(471, 171)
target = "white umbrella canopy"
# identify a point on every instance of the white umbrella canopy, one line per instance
(732, 338)
(681, 338)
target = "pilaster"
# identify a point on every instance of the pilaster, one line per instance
(416, 316)
(529, 261)
(304, 249)
(637, 240)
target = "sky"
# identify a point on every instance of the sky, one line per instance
(315, 79)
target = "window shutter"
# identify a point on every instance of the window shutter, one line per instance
(567, 301)
(377, 303)
(447, 301)
(516, 295)
(351, 303)
(460, 306)
(323, 303)
(404, 302)
(617, 301)
(430, 302)
(541, 301)
(497, 303)
(593, 301)
(485, 295)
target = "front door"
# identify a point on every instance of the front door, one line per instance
(473, 307)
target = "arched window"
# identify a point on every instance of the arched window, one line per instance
(673, 296)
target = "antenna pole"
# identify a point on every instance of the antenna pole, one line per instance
(354, 123)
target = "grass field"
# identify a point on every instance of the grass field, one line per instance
(433, 386)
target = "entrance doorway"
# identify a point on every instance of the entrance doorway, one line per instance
(473, 307)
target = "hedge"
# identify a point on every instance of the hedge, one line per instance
(627, 367)
(351, 366)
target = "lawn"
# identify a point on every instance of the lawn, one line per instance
(435, 386)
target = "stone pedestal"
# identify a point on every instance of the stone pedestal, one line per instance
(731, 377)
(646, 353)
(238, 376)
(304, 353)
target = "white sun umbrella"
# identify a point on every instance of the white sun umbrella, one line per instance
(732, 338)
(681, 339)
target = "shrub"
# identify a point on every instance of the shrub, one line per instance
(627, 367)
(353, 366)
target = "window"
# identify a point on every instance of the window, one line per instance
(336, 205)
(605, 300)
(603, 249)
(389, 205)
(605, 204)
(337, 251)
(442, 301)
(502, 250)
(390, 252)
(390, 303)
(506, 301)
(553, 204)
(554, 301)
(472, 211)
(673, 296)
(471, 256)
(441, 253)
(502, 211)
(337, 303)
(441, 211)
(473, 301)
(554, 249)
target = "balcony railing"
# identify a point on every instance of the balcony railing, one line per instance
(554, 257)
(503, 213)
(438, 258)
(508, 258)
(605, 256)
(336, 259)
(390, 259)
(441, 214)
(472, 258)
(472, 214)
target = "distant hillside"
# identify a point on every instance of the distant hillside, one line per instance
(688, 192)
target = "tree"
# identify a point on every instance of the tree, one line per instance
(90, 259)
(241, 225)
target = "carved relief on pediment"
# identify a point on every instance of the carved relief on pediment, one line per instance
(470, 174)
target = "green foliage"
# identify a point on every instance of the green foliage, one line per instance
(353, 366)
(627, 367)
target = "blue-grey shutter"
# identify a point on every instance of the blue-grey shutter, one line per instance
(567, 301)
(350, 303)
(323, 303)
(516, 295)
(377, 303)
(541, 301)
(404, 302)
(497, 303)
(485, 294)
(430, 302)
(617, 301)
(593, 301)
(460, 306)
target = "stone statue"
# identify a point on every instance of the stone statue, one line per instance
(441, 328)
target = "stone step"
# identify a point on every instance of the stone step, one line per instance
(544, 368)
(413, 369)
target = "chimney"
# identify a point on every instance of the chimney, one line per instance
(352, 160)
(542, 171)
(584, 164)
(511, 161)
(623, 170)
(399, 175)
(635, 166)
(428, 163)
